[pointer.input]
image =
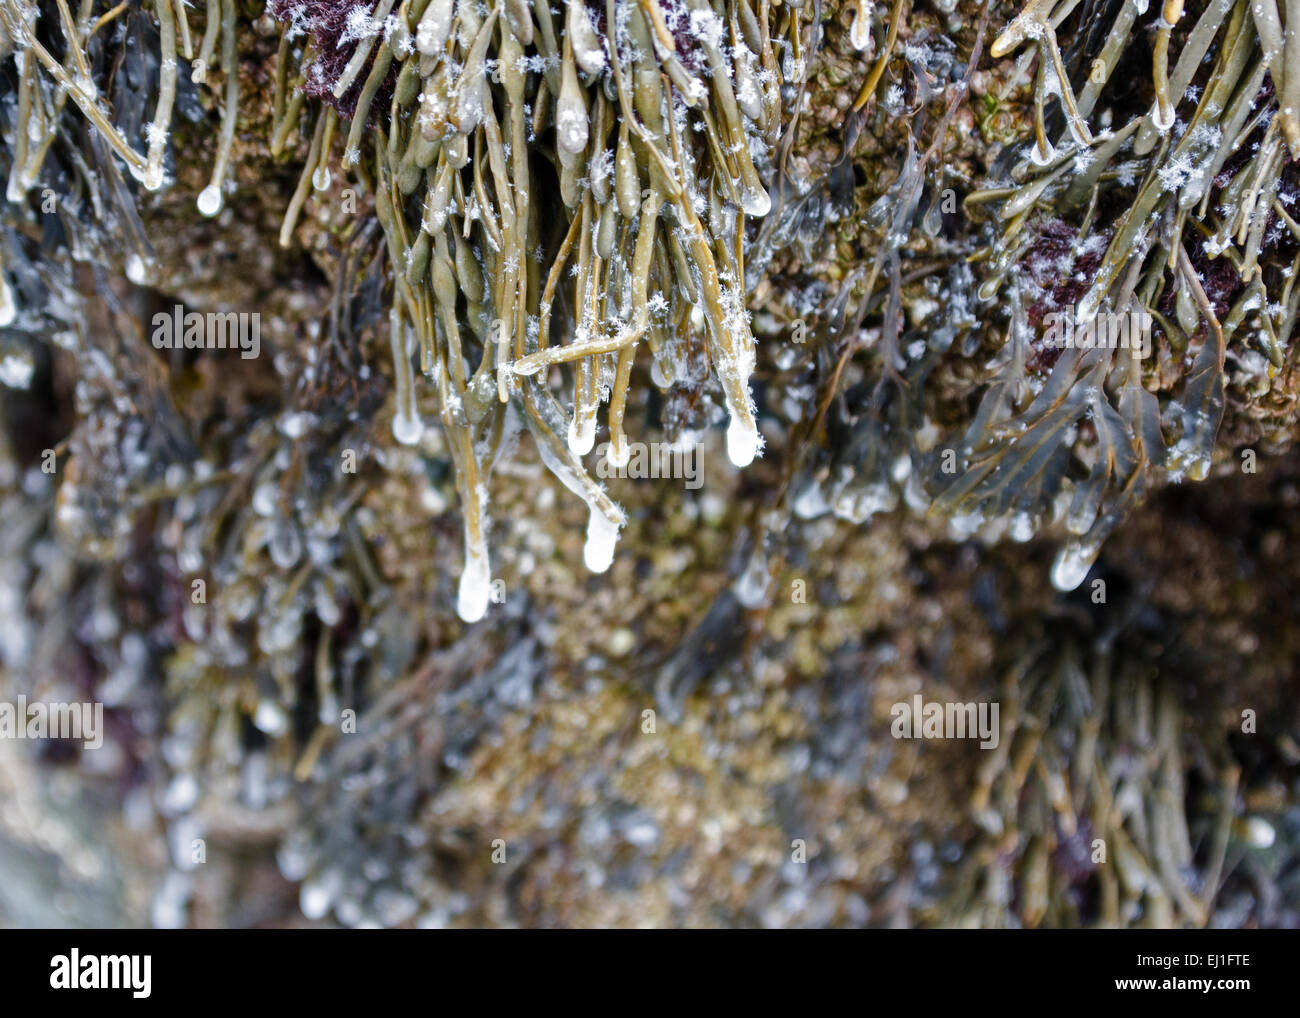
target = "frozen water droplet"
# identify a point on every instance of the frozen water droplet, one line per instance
(316, 896)
(602, 535)
(153, 178)
(265, 497)
(1072, 564)
(285, 545)
(137, 271)
(756, 202)
(1041, 157)
(1260, 833)
(407, 430)
(1162, 119)
(751, 586)
(17, 368)
(743, 441)
(270, 718)
(618, 453)
(860, 29)
(8, 310)
(1022, 527)
(811, 502)
(210, 200)
(475, 581)
(320, 179)
(582, 434)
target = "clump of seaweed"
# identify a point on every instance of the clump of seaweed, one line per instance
(583, 175)
(1084, 809)
(1179, 213)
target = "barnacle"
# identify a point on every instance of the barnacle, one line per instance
(554, 192)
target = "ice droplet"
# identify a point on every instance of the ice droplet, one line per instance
(407, 428)
(571, 124)
(17, 368)
(1072, 564)
(315, 898)
(618, 453)
(153, 178)
(475, 579)
(1162, 119)
(270, 718)
(582, 434)
(8, 310)
(137, 271)
(811, 502)
(751, 586)
(210, 200)
(743, 441)
(860, 29)
(1260, 833)
(320, 178)
(285, 545)
(756, 202)
(602, 535)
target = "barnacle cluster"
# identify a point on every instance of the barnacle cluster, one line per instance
(557, 188)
